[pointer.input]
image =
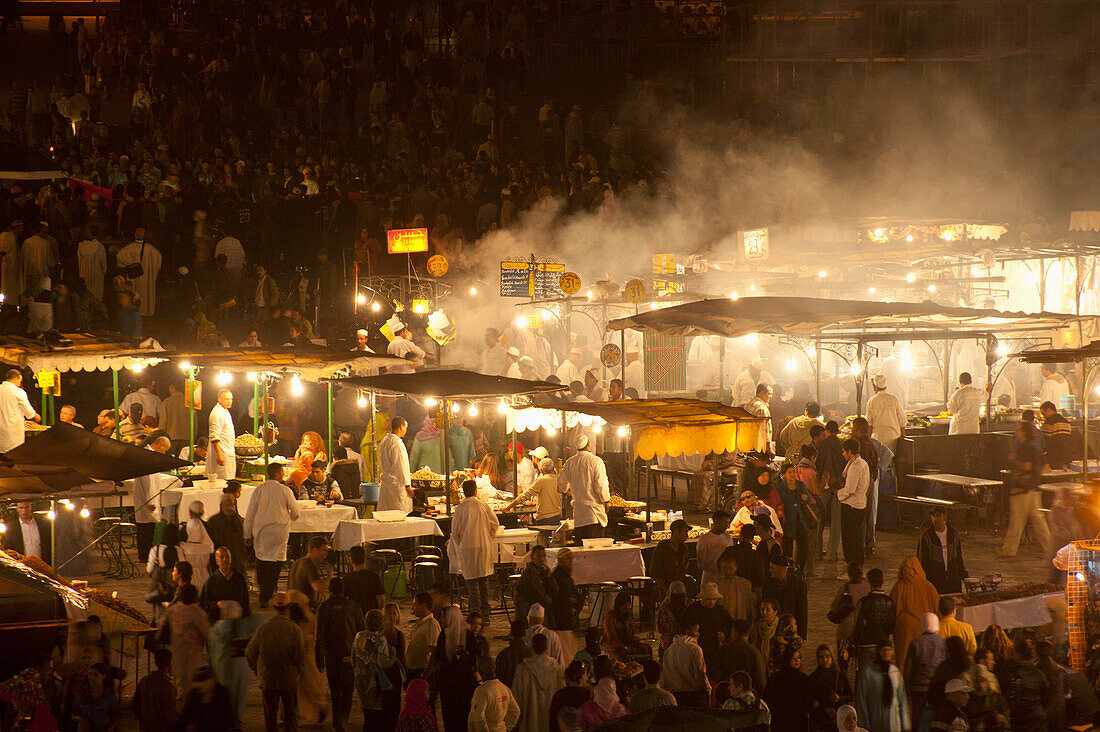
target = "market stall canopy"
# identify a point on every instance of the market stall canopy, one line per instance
(808, 317)
(18, 481)
(19, 162)
(674, 426)
(79, 352)
(450, 384)
(1060, 355)
(91, 455)
(312, 364)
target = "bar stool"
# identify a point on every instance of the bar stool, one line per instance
(127, 539)
(109, 545)
(502, 575)
(385, 558)
(424, 575)
(602, 601)
(645, 589)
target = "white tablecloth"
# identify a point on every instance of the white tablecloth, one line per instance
(514, 544)
(317, 519)
(210, 498)
(354, 532)
(1023, 612)
(613, 564)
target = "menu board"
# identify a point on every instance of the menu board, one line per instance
(531, 279)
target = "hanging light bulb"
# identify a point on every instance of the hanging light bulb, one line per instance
(502, 407)
(4, 527)
(296, 387)
(621, 432)
(473, 410)
(856, 368)
(521, 322)
(734, 296)
(430, 402)
(361, 401)
(473, 292)
(752, 288)
(597, 429)
(185, 366)
(361, 299)
(85, 513)
(375, 306)
(791, 365)
(224, 377)
(51, 514)
(910, 278)
(137, 367)
(454, 408)
(251, 376)
(821, 274)
(69, 505)
(931, 288)
(871, 290)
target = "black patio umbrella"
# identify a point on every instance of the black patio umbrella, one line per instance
(98, 458)
(21, 480)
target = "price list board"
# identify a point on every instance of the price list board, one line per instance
(531, 279)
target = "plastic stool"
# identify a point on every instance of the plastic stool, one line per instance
(385, 558)
(423, 575)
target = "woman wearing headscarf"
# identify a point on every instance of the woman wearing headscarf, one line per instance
(416, 715)
(605, 705)
(788, 694)
(312, 448)
(913, 596)
(311, 683)
(454, 666)
(427, 447)
(671, 613)
(880, 694)
(198, 546)
(847, 720)
(829, 688)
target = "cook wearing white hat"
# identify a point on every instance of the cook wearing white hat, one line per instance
(513, 352)
(885, 414)
(586, 475)
(538, 453)
(879, 381)
(403, 347)
(361, 337)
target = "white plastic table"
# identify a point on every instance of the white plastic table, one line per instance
(610, 564)
(354, 532)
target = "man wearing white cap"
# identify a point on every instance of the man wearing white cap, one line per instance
(221, 458)
(570, 369)
(361, 342)
(512, 358)
(493, 361)
(950, 715)
(403, 347)
(744, 386)
(586, 475)
(535, 616)
(527, 369)
(885, 415)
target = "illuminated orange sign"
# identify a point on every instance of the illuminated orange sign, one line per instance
(406, 241)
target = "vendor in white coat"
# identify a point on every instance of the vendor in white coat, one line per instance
(965, 406)
(586, 475)
(473, 536)
(15, 407)
(267, 527)
(402, 346)
(221, 456)
(395, 492)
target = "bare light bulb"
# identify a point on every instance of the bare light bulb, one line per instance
(376, 306)
(473, 410)
(621, 432)
(473, 291)
(361, 402)
(502, 407)
(296, 387)
(430, 402)
(85, 513)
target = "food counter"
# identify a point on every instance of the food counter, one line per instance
(1019, 606)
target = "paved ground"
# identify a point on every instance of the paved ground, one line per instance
(979, 551)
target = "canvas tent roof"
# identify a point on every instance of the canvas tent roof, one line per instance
(1060, 355)
(313, 364)
(19, 162)
(88, 353)
(450, 384)
(836, 319)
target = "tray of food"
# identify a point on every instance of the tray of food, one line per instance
(426, 478)
(620, 502)
(1013, 592)
(248, 445)
(32, 426)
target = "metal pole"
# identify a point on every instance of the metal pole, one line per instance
(114, 388)
(817, 358)
(990, 350)
(714, 457)
(446, 456)
(1087, 389)
(190, 417)
(515, 463)
(53, 533)
(328, 404)
(859, 378)
(622, 360)
(263, 438)
(373, 438)
(255, 411)
(721, 367)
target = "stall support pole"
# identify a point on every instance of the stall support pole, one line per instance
(263, 428)
(817, 366)
(648, 500)
(1087, 392)
(255, 411)
(631, 469)
(721, 368)
(622, 361)
(990, 351)
(515, 464)
(45, 414)
(859, 379)
(114, 389)
(328, 405)
(53, 533)
(446, 454)
(190, 417)
(373, 438)
(717, 487)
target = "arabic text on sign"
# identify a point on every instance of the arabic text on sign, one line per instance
(756, 243)
(406, 241)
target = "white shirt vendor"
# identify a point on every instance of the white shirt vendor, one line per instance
(221, 440)
(885, 415)
(15, 407)
(473, 533)
(32, 538)
(395, 478)
(965, 406)
(402, 347)
(586, 475)
(267, 521)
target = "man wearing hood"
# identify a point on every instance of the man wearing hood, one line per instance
(1054, 384)
(537, 679)
(926, 653)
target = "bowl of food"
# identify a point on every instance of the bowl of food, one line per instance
(248, 445)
